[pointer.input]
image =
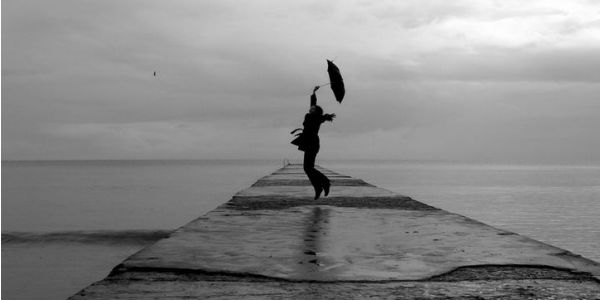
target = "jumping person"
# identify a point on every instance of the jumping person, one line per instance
(312, 122)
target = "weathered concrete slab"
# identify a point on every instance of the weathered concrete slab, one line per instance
(322, 243)
(304, 182)
(307, 191)
(163, 285)
(281, 202)
(303, 176)
(273, 241)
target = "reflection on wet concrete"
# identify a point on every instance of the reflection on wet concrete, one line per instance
(316, 228)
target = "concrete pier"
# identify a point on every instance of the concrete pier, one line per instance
(273, 241)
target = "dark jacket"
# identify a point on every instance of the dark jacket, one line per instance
(312, 124)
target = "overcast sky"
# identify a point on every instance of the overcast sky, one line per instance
(485, 81)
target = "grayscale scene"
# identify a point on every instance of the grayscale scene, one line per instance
(262, 149)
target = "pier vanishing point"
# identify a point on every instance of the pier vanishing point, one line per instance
(273, 241)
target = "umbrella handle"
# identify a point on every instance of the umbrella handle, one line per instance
(324, 84)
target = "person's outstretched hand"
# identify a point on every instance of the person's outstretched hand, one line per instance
(328, 117)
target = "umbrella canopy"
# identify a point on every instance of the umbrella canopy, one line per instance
(336, 81)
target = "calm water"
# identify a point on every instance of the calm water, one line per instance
(66, 224)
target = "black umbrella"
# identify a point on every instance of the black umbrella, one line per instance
(336, 81)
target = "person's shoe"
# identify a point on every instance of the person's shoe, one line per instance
(326, 188)
(318, 193)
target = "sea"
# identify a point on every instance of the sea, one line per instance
(66, 224)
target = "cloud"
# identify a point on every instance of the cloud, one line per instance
(414, 14)
(77, 76)
(492, 64)
(163, 140)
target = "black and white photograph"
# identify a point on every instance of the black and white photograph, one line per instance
(303, 149)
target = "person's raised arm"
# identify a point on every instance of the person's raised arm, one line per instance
(313, 97)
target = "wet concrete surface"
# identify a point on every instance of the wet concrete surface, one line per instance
(273, 241)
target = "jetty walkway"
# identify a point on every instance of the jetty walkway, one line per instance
(273, 241)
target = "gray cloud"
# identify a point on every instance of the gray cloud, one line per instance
(413, 14)
(77, 79)
(490, 64)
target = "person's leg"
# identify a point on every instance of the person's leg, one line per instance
(326, 184)
(311, 172)
(323, 181)
(318, 179)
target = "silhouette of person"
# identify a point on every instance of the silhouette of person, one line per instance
(312, 123)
